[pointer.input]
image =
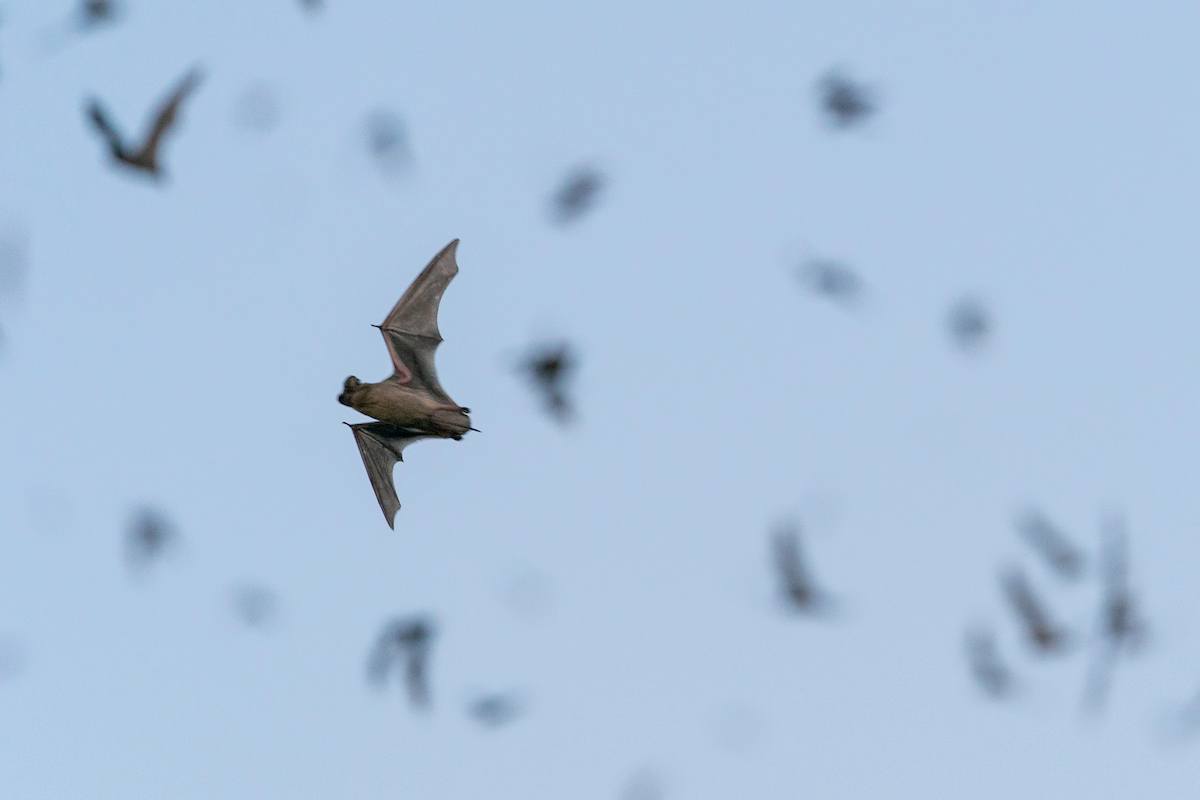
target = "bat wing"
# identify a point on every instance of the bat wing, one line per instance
(789, 560)
(411, 328)
(168, 112)
(100, 121)
(381, 446)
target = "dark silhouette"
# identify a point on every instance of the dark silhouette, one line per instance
(1059, 553)
(798, 589)
(255, 605)
(408, 642)
(387, 141)
(1040, 632)
(577, 195)
(988, 669)
(833, 280)
(549, 368)
(150, 536)
(969, 324)
(845, 102)
(495, 710)
(144, 157)
(1122, 629)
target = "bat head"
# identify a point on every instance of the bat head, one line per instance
(348, 388)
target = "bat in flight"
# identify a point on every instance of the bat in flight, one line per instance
(1051, 543)
(1043, 634)
(144, 156)
(406, 641)
(411, 404)
(799, 590)
(987, 667)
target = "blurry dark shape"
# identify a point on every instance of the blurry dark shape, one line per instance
(799, 590)
(12, 660)
(145, 156)
(988, 669)
(969, 323)
(1122, 629)
(150, 536)
(577, 195)
(407, 641)
(644, 784)
(312, 5)
(257, 109)
(387, 140)
(832, 279)
(1041, 634)
(846, 102)
(495, 710)
(549, 368)
(255, 605)
(96, 13)
(1051, 544)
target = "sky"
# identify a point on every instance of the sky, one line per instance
(181, 347)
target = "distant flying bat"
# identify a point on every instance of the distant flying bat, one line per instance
(833, 280)
(255, 605)
(144, 157)
(969, 323)
(1051, 544)
(97, 12)
(406, 642)
(411, 404)
(1121, 627)
(1042, 634)
(549, 368)
(494, 710)
(986, 665)
(577, 195)
(845, 102)
(149, 537)
(798, 588)
(387, 139)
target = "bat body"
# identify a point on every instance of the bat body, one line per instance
(145, 156)
(411, 404)
(407, 641)
(1040, 631)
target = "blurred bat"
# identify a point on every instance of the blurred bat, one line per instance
(149, 537)
(845, 102)
(549, 368)
(495, 710)
(405, 641)
(799, 590)
(1122, 629)
(312, 5)
(969, 323)
(387, 140)
(1042, 634)
(254, 605)
(1051, 544)
(577, 195)
(94, 13)
(988, 669)
(144, 157)
(833, 280)
(411, 405)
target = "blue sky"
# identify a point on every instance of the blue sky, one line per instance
(183, 346)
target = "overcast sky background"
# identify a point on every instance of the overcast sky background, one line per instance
(182, 346)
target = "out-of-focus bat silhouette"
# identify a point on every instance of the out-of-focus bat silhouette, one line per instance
(577, 194)
(988, 669)
(411, 404)
(407, 641)
(97, 12)
(1051, 544)
(832, 279)
(969, 323)
(145, 157)
(549, 369)
(255, 605)
(1041, 633)
(798, 589)
(149, 537)
(495, 710)
(387, 140)
(312, 5)
(844, 101)
(1122, 629)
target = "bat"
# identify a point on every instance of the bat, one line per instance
(494, 710)
(97, 12)
(1121, 627)
(1051, 544)
(989, 671)
(577, 195)
(144, 157)
(1043, 635)
(387, 140)
(845, 102)
(410, 405)
(149, 537)
(833, 280)
(549, 368)
(409, 641)
(969, 323)
(798, 588)
(255, 605)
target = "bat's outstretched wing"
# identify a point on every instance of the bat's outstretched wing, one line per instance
(100, 121)
(411, 328)
(381, 446)
(167, 113)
